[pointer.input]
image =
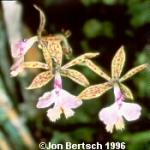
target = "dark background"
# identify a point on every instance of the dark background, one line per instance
(96, 25)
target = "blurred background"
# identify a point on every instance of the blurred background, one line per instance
(96, 25)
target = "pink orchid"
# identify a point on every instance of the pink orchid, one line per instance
(63, 101)
(18, 51)
(113, 115)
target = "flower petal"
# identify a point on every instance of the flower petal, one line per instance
(133, 71)
(30, 42)
(95, 91)
(56, 51)
(46, 55)
(68, 100)
(126, 91)
(17, 48)
(120, 124)
(16, 68)
(119, 97)
(54, 113)
(46, 100)
(76, 76)
(57, 81)
(97, 69)
(80, 59)
(109, 128)
(109, 115)
(35, 64)
(130, 111)
(40, 80)
(117, 63)
(68, 112)
(21, 47)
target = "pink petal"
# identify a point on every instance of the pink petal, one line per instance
(68, 100)
(30, 42)
(54, 113)
(68, 112)
(21, 47)
(109, 115)
(46, 100)
(57, 81)
(18, 48)
(130, 111)
(119, 97)
(16, 68)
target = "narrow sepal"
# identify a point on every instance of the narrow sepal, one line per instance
(88, 63)
(126, 92)
(79, 60)
(95, 91)
(35, 64)
(47, 55)
(42, 21)
(133, 71)
(76, 76)
(41, 80)
(117, 63)
(55, 50)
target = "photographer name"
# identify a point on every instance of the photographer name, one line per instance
(69, 145)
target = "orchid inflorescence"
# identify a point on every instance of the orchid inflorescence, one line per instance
(54, 48)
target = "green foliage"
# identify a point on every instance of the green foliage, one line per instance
(109, 2)
(94, 28)
(89, 2)
(142, 81)
(140, 12)
(136, 141)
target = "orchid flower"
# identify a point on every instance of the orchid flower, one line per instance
(19, 50)
(53, 48)
(122, 91)
(53, 55)
(62, 101)
(114, 115)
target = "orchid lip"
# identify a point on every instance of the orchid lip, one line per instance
(113, 116)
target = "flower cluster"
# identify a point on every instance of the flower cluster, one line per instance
(114, 115)
(59, 101)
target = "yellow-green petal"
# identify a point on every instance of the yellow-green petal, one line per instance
(80, 59)
(133, 71)
(76, 76)
(41, 80)
(126, 92)
(35, 64)
(95, 91)
(88, 63)
(117, 63)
